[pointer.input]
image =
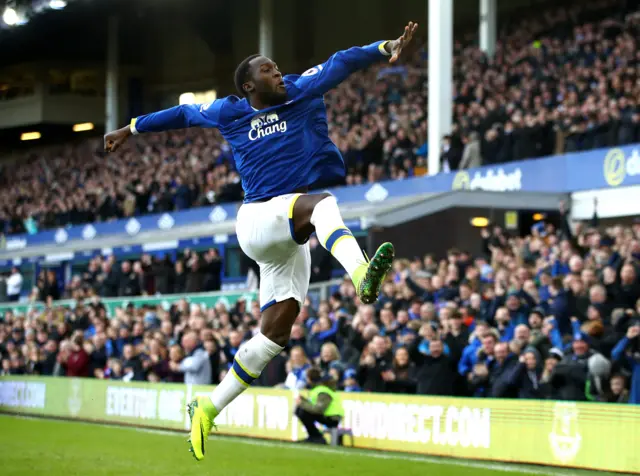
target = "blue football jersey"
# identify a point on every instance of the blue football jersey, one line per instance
(282, 148)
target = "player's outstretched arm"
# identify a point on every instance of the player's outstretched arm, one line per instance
(324, 77)
(178, 117)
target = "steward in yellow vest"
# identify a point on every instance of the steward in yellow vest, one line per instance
(323, 406)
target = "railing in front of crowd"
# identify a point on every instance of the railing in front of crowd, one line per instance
(317, 292)
(598, 169)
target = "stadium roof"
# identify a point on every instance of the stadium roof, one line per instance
(79, 35)
(80, 29)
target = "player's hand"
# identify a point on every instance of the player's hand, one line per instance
(404, 43)
(113, 140)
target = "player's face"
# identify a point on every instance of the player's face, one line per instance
(267, 81)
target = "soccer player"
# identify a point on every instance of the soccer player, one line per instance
(280, 139)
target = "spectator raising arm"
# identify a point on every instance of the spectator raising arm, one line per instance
(552, 332)
(619, 351)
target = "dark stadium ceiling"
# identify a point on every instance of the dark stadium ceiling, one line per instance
(74, 33)
(78, 32)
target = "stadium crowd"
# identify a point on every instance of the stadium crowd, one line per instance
(150, 275)
(555, 314)
(562, 80)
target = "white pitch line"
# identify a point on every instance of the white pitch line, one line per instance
(497, 466)
(505, 467)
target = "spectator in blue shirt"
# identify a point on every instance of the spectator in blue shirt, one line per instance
(474, 353)
(350, 383)
(504, 324)
(627, 352)
(297, 367)
(559, 306)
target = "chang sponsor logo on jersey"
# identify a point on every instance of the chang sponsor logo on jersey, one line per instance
(266, 124)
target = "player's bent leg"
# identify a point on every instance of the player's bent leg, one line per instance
(248, 364)
(321, 213)
(277, 321)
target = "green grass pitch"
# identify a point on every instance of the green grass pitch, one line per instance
(60, 448)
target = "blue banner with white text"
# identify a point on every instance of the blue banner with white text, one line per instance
(592, 170)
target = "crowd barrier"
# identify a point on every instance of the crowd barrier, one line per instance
(317, 292)
(597, 169)
(565, 434)
(205, 300)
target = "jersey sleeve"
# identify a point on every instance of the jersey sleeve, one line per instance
(324, 77)
(179, 117)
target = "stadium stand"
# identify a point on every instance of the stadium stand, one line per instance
(564, 81)
(555, 314)
(512, 304)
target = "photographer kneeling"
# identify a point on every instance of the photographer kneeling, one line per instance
(323, 406)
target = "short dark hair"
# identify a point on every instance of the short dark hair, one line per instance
(242, 72)
(314, 374)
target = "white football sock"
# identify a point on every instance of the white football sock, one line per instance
(335, 236)
(248, 364)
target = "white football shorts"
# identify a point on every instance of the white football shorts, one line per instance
(265, 234)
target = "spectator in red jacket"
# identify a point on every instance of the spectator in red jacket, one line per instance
(77, 361)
